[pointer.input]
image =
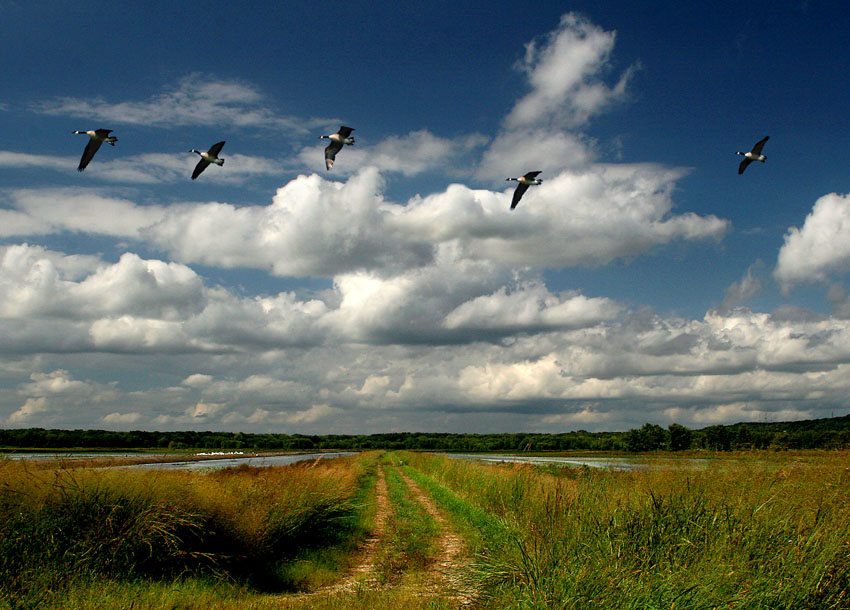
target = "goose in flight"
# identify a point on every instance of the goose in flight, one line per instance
(96, 138)
(338, 140)
(211, 156)
(524, 182)
(753, 155)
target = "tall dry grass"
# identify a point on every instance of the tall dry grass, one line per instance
(752, 533)
(57, 527)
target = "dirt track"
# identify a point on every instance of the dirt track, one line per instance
(445, 575)
(363, 573)
(442, 578)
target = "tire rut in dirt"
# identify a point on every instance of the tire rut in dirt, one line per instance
(446, 575)
(363, 573)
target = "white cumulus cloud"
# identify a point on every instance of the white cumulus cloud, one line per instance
(821, 247)
(563, 70)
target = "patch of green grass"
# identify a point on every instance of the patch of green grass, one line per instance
(480, 528)
(410, 531)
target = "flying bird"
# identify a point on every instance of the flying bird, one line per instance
(524, 182)
(211, 156)
(753, 155)
(338, 140)
(96, 138)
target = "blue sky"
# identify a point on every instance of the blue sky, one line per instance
(644, 280)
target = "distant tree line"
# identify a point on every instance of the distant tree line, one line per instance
(831, 433)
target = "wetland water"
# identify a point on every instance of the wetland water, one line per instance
(218, 462)
(613, 463)
(224, 461)
(259, 461)
(591, 462)
(60, 455)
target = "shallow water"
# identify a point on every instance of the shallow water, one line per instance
(183, 464)
(594, 462)
(613, 463)
(259, 461)
(62, 455)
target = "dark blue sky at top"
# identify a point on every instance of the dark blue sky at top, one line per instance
(454, 313)
(712, 79)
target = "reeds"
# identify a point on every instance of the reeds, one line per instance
(238, 525)
(739, 534)
(755, 533)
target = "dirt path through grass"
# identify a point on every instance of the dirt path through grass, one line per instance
(364, 572)
(445, 577)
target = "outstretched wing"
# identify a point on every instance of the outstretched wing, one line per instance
(330, 153)
(216, 148)
(201, 166)
(759, 145)
(744, 165)
(88, 153)
(518, 193)
(344, 131)
(533, 175)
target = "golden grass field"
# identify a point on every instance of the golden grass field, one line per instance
(404, 530)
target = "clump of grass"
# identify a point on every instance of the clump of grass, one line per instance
(63, 525)
(317, 565)
(240, 524)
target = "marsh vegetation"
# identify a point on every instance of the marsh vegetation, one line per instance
(404, 530)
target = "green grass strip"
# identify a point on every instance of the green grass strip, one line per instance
(411, 531)
(486, 530)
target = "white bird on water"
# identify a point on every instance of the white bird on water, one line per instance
(96, 138)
